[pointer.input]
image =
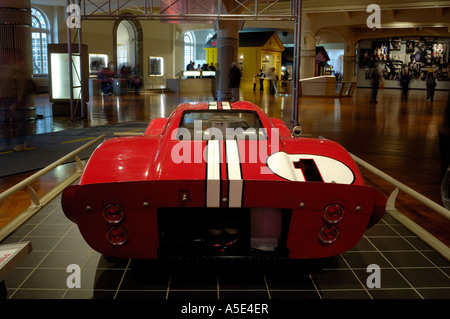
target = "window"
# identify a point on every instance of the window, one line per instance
(39, 40)
(234, 124)
(126, 44)
(189, 45)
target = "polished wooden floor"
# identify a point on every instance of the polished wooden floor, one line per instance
(399, 138)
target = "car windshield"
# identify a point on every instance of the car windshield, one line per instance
(220, 124)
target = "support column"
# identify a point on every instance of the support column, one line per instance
(349, 68)
(227, 53)
(15, 46)
(349, 59)
(308, 52)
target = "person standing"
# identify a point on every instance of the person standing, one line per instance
(261, 76)
(405, 79)
(430, 82)
(271, 77)
(235, 80)
(375, 78)
(14, 91)
(255, 77)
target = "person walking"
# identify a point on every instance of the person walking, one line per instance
(235, 80)
(375, 79)
(430, 82)
(405, 79)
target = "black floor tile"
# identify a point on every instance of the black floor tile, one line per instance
(16, 277)
(101, 279)
(43, 242)
(58, 259)
(243, 294)
(37, 294)
(425, 277)
(388, 219)
(89, 294)
(435, 293)
(363, 245)
(289, 281)
(436, 258)
(336, 279)
(194, 294)
(193, 282)
(126, 294)
(364, 259)
(47, 279)
(380, 230)
(72, 244)
(407, 259)
(390, 243)
(407, 293)
(97, 260)
(144, 281)
(294, 294)
(389, 278)
(33, 259)
(242, 282)
(344, 294)
(45, 230)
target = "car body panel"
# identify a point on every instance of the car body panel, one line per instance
(276, 187)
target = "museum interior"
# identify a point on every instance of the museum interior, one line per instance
(95, 71)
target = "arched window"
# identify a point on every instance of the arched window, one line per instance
(189, 45)
(39, 40)
(126, 44)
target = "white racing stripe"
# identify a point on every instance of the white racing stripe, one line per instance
(212, 105)
(213, 174)
(226, 106)
(234, 174)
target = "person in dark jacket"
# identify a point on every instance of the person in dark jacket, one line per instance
(375, 79)
(235, 80)
(405, 79)
(430, 82)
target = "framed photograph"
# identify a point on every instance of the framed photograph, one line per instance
(410, 46)
(423, 74)
(366, 58)
(396, 44)
(156, 66)
(97, 62)
(397, 57)
(381, 50)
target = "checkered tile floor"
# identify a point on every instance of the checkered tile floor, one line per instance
(409, 270)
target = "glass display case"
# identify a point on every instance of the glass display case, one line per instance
(59, 78)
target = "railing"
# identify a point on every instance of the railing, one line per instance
(36, 202)
(345, 88)
(428, 238)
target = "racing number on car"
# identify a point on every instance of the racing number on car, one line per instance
(309, 169)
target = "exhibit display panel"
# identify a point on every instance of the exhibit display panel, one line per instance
(60, 76)
(417, 56)
(59, 79)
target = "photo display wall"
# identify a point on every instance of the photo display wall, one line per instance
(417, 55)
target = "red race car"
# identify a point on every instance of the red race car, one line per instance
(219, 179)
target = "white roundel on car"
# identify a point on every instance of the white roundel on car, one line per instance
(306, 167)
